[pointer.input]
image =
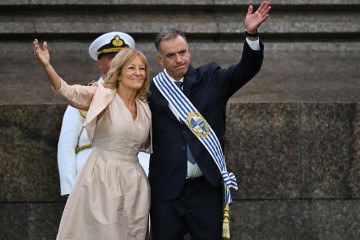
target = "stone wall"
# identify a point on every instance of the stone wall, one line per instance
(292, 132)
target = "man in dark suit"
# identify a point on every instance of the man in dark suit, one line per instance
(186, 184)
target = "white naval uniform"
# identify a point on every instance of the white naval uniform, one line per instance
(72, 135)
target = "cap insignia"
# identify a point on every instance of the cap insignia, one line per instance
(117, 41)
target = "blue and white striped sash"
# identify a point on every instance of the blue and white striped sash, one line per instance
(198, 125)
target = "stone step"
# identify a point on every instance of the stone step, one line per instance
(292, 132)
(195, 23)
(190, 3)
(291, 72)
(203, 19)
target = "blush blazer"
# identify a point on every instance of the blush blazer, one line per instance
(95, 99)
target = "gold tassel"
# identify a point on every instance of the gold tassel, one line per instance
(226, 224)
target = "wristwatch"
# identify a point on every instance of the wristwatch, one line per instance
(252, 34)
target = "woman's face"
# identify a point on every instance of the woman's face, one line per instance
(133, 74)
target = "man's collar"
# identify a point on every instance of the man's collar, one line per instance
(181, 80)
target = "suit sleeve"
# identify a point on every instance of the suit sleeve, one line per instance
(232, 79)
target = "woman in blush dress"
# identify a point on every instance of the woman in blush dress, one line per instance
(111, 196)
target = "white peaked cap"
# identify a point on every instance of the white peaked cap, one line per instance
(110, 42)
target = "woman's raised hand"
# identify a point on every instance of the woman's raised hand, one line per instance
(42, 54)
(44, 58)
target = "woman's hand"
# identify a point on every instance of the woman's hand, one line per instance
(44, 58)
(42, 55)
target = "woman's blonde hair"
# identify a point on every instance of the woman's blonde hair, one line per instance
(120, 60)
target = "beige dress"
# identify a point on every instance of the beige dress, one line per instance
(111, 196)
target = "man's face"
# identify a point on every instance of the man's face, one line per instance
(104, 63)
(174, 56)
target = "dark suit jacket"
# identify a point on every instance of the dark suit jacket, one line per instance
(209, 88)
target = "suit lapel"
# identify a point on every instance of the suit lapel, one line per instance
(189, 80)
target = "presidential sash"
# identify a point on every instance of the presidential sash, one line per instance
(198, 125)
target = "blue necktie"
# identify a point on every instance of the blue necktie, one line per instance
(179, 84)
(190, 156)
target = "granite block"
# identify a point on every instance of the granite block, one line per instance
(284, 150)
(295, 219)
(14, 221)
(28, 137)
(44, 220)
(330, 158)
(270, 219)
(32, 221)
(353, 175)
(262, 149)
(294, 150)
